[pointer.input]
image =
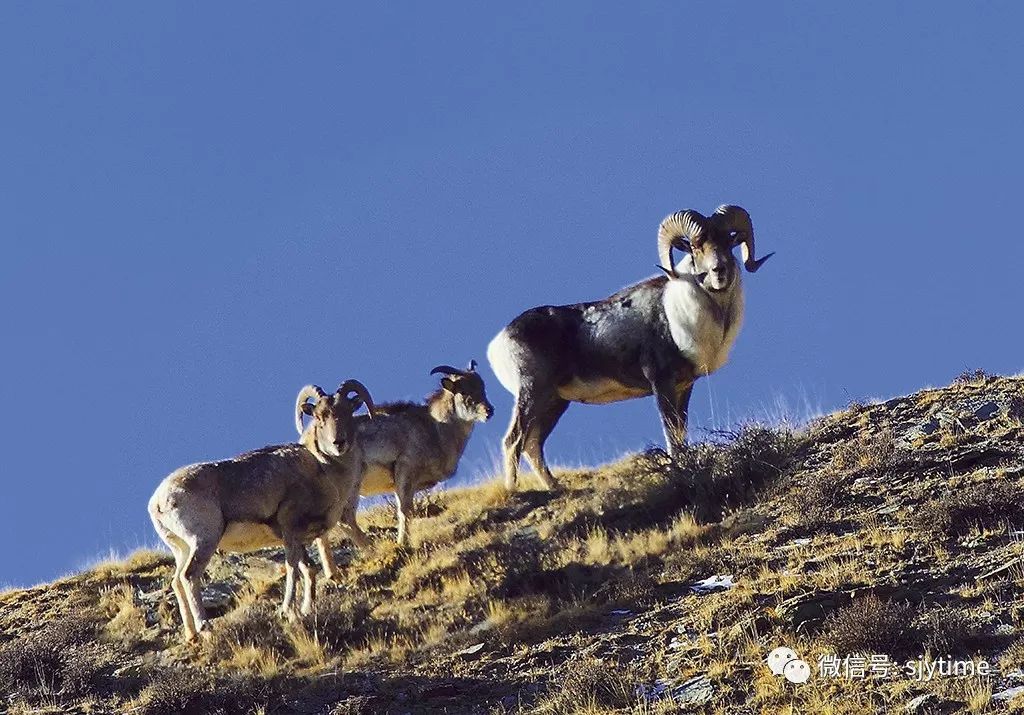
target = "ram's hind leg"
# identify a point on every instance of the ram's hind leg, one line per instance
(527, 413)
(512, 448)
(200, 551)
(538, 432)
(180, 551)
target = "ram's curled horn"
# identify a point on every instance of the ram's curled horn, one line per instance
(447, 370)
(735, 218)
(305, 394)
(687, 225)
(350, 386)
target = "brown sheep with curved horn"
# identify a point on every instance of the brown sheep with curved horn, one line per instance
(287, 495)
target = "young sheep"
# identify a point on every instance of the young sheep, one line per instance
(409, 447)
(286, 494)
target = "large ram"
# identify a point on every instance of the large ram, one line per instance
(652, 338)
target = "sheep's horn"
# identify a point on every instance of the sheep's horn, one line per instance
(447, 370)
(305, 394)
(677, 231)
(735, 218)
(350, 386)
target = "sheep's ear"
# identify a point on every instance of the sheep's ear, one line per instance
(448, 384)
(307, 408)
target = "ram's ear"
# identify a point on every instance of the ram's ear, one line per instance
(448, 384)
(307, 408)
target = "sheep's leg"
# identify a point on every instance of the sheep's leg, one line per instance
(405, 489)
(540, 429)
(308, 583)
(200, 553)
(355, 532)
(294, 555)
(673, 406)
(523, 415)
(323, 547)
(179, 549)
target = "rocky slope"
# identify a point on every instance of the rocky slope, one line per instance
(880, 543)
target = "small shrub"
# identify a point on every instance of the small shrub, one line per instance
(188, 692)
(338, 622)
(56, 658)
(972, 377)
(983, 504)
(712, 477)
(588, 685)
(951, 631)
(257, 625)
(813, 504)
(870, 625)
(1013, 657)
(871, 453)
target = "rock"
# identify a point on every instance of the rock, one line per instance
(483, 626)
(217, 598)
(154, 597)
(132, 671)
(712, 584)
(921, 704)
(471, 650)
(807, 610)
(695, 691)
(986, 411)
(1009, 693)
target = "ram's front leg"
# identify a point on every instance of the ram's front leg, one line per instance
(323, 546)
(405, 490)
(673, 402)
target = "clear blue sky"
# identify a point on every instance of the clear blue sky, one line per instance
(204, 207)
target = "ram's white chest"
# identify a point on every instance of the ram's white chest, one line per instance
(703, 328)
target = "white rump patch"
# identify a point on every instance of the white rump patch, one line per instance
(502, 354)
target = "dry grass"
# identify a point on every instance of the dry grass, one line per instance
(870, 625)
(570, 602)
(971, 505)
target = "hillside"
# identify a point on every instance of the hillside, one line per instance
(648, 585)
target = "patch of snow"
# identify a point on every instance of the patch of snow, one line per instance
(712, 584)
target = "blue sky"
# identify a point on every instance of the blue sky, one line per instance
(205, 207)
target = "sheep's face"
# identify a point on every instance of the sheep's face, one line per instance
(471, 403)
(713, 263)
(332, 423)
